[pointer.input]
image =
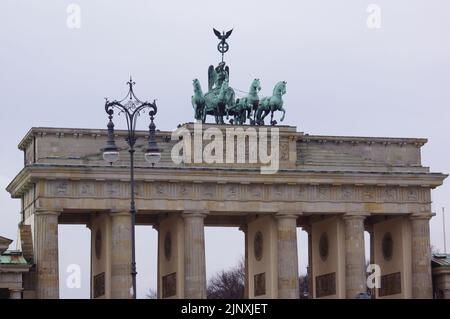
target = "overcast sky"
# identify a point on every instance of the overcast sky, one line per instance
(343, 78)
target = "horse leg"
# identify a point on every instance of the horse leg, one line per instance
(266, 112)
(272, 121)
(258, 116)
(199, 113)
(227, 111)
(239, 117)
(204, 115)
(284, 112)
(250, 114)
(219, 118)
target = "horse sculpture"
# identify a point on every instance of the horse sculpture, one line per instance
(212, 103)
(198, 100)
(215, 103)
(244, 106)
(271, 104)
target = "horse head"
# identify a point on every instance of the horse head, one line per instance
(255, 86)
(197, 87)
(280, 88)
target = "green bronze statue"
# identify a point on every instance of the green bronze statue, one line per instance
(270, 104)
(220, 101)
(198, 100)
(212, 103)
(245, 106)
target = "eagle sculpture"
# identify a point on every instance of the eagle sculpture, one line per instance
(222, 36)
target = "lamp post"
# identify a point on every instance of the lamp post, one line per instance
(132, 108)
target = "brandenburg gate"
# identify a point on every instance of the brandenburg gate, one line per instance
(333, 187)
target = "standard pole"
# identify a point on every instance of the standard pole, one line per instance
(133, 223)
(443, 227)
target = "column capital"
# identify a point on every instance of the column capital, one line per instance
(354, 215)
(287, 214)
(119, 213)
(194, 213)
(15, 289)
(43, 211)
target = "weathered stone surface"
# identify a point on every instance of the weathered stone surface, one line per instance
(287, 256)
(121, 255)
(421, 256)
(355, 263)
(46, 243)
(320, 178)
(194, 255)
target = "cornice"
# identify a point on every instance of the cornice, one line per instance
(38, 172)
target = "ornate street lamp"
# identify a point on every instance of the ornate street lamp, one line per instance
(132, 107)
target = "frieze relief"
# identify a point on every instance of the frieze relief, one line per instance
(208, 191)
(57, 188)
(284, 152)
(389, 194)
(61, 188)
(323, 193)
(346, 193)
(231, 192)
(369, 194)
(184, 190)
(112, 189)
(412, 194)
(279, 192)
(160, 190)
(254, 191)
(86, 189)
(235, 191)
(301, 193)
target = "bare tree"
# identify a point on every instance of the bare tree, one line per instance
(228, 284)
(151, 294)
(434, 250)
(303, 286)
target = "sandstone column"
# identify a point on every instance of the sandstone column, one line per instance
(355, 270)
(121, 284)
(421, 256)
(46, 257)
(15, 293)
(287, 256)
(194, 255)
